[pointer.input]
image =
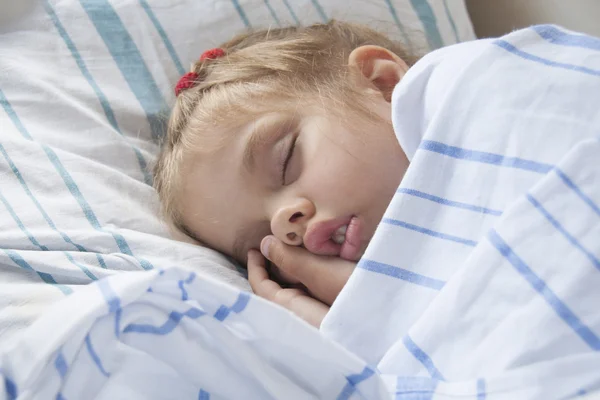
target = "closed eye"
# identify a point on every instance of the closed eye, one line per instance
(288, 157)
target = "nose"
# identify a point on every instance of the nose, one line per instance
(290, 221)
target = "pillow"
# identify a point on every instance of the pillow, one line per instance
(84, 89)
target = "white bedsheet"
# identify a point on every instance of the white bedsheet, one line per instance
(481, 282)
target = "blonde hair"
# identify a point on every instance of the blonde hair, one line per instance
(287, 64)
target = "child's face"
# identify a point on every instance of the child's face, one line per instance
(301, 176)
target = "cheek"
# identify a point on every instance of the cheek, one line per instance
(355, 168)
(338, 176)
(334, 172)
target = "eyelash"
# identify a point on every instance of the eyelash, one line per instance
(287, 160)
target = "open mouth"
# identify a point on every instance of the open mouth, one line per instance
(340, 237)
(349, 237)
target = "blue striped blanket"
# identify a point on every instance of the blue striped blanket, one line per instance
(481, 281)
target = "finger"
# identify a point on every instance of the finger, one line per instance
(258, 277)
(309, 309)
(323, 276)
(282, 277)
(295, 300)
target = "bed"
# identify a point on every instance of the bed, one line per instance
(85, 89)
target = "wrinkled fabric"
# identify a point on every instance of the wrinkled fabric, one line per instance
(483, 277)
(481, 281)
(86, 88)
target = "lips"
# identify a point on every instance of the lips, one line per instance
(352, 245)
(318, 238)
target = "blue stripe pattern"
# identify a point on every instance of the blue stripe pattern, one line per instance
(320, 10)
(481, 394)
(70, 183)
(108, 111)
(567, 181)
(110, 297)
(61, 364)
(292, 13)
(20, 261)
(563, 231)
(544, 61)
(484, 157)
(168, 326)
(35, 242)
(22, 227)
(9, 386)
(427, 17)
(118, 315)
(163, 36)
(47, 278)
(560, 308)
(129, 61)
(353, 381)
(112, 301)
(240, 304)
(429, 232)
(8, 108)
(82, 267)
(86, 208)
(181, 283)
(272, 11)
(400, 273)
(19, 125)
(61, 367)
(415, 388)
(94, 356)
(423, 358)
(450, 203)
(399, 25)
(203, 395)
(554, 35)
(241, 13)
(451, 21)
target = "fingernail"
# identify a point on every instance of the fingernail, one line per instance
(264, 246)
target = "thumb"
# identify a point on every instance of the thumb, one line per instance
(323, 276)
(280, 254)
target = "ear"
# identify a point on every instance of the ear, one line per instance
(377, 68)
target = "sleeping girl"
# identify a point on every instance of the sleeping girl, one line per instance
(294, 142)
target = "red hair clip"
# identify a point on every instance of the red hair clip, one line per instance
(185, 82)
(190, 79)
(212, 54)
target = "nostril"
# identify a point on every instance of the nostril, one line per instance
(291, 236)
(297, 215)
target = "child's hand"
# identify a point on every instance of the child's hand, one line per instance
(323, 276)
